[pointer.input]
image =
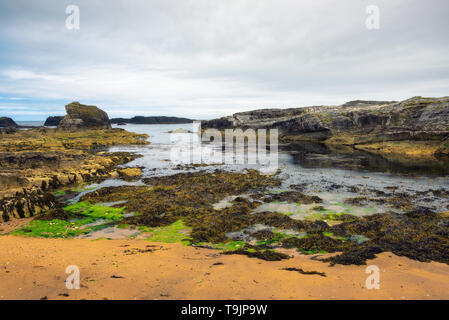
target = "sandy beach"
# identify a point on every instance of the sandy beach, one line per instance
(33, 268)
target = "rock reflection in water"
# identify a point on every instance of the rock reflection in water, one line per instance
(320, 155)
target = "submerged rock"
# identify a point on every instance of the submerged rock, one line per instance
(7, 123)
(81, 116)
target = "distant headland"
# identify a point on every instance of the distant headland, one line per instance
(151, 120)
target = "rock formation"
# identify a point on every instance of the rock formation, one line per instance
(34, 162)
(53, 121)
(81, 116)
(7, 122)
(353, 123)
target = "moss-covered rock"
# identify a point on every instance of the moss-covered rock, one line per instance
(81, 116)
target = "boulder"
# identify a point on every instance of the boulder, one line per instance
(53, 121)
(81, 117)
(6, 122)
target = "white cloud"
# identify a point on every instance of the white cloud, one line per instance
(203, 58)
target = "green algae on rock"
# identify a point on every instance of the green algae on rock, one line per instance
(190, 197)
(73, 220)
(175, 232)
(95, 211)
(54, 228)
(181, 208)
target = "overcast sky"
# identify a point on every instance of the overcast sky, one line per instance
(208, 58)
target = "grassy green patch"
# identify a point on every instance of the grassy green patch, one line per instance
(54, 228)
(175, 232)
(59, 193)
(95, 211)
(57, 228)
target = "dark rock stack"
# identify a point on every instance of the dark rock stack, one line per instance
(53, 121)
(6, 122)
(81, 117)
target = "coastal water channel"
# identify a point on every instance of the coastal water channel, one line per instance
(313, 169)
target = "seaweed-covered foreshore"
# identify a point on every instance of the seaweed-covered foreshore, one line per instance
(86, 181)
(186, 207)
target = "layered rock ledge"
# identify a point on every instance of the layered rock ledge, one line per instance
(33, 163)
(375, 126)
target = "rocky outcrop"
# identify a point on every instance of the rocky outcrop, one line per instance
(6, 122)
(81, 116)
(53, 121)
(33, 163)
(353, 123)
(36, 185)
(151, 120)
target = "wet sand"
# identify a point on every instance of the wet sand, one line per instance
(13, 224)
(34, 268)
